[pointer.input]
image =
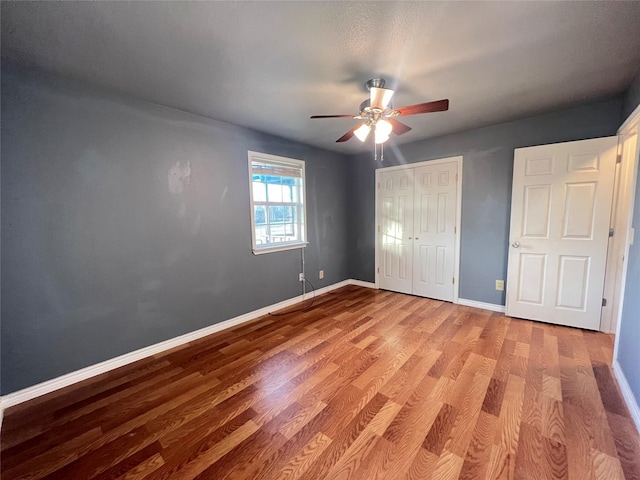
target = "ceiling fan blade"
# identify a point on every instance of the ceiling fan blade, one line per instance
(380, 97)
(398, 127)
(347, 135)
(437, 106)
(333, 116)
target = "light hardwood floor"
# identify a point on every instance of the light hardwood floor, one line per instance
(366, 384)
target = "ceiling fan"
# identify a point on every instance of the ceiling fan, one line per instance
(379, 115)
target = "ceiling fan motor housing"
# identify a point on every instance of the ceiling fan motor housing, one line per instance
(365, 106)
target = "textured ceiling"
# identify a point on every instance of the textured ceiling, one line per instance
(270, 65)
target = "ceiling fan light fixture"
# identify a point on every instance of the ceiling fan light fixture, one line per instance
(362, 132)
(383, 130)
(381, 138)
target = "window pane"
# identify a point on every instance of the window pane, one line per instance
(276, 214)
(261, 235)
(275, 192)
(288, 214)
(259, 192)
(287, 195)
(290, 230)
(281, 214)
(260, 214)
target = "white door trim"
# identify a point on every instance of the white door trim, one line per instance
(621, 217)
(631, 125)
(456, 262)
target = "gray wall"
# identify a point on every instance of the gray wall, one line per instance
(629, 339)
(126, 223)
(486, 188)
(631, 97)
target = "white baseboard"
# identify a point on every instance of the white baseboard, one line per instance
(49, 386)
(361, 283)
(485, 306)
(627, 394)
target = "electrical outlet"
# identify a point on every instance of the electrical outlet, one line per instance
(301, 277)
(500, 285)
(321, 274)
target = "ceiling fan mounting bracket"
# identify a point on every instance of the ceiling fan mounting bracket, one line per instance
(374, 82)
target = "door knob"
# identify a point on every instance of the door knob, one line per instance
(515, 244)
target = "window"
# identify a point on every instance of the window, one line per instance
(277, 203)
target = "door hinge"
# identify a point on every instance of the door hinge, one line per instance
(453, 280)
(378, 185)
(619, 158)
(456, 177)
(604, 302)
(611, 232)
(378, 269)
(378, 228)
(455, 230)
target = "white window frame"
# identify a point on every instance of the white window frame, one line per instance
(301, 205)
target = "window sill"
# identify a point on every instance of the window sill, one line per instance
(280, 248)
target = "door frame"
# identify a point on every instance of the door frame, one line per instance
(456, 252)
(621, 217)
(630, 126)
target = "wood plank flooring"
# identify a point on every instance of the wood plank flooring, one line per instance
(365, 385)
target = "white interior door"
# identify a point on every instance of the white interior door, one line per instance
(396, 225)
(560, 210)
(434, 242)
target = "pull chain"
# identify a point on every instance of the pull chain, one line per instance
(375, 152)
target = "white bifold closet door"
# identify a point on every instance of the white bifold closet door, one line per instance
(417, 228)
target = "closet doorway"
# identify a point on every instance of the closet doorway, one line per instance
(418, 228)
